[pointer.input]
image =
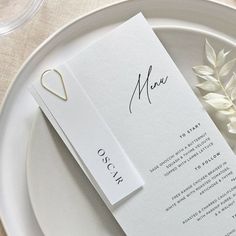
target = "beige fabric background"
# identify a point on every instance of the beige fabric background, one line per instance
(17, 46)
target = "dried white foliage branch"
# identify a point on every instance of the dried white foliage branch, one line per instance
(219, 84)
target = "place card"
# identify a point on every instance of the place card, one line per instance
(139, 93)
(60, 94)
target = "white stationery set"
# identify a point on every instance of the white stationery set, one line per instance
(141, 136)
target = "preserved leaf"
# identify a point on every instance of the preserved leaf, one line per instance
(210, 53)
(214, 96)
(226, 68)
(221, 57)
(209, 86)
(230, 111)
(219, 103)
(232, 125)
(203, 70)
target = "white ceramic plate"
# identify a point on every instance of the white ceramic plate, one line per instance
(182, 27)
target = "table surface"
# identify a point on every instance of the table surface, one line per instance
(16, 47)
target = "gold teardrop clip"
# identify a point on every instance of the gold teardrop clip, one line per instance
(61, 96)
